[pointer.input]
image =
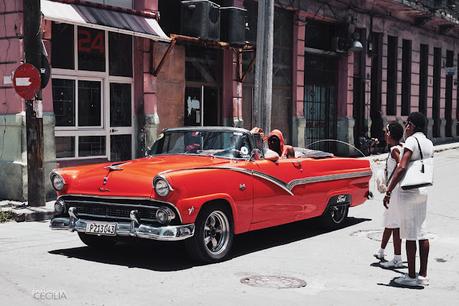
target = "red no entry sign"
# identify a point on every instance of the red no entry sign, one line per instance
(26, 81)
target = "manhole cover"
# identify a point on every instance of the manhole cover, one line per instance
(277, 282)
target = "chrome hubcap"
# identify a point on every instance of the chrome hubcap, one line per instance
(338, 213)
(216, 232)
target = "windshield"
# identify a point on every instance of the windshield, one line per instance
(216, 143)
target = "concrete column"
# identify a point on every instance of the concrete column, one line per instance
(299, 121)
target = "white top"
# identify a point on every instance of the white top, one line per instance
(425, 143)
(391, 163)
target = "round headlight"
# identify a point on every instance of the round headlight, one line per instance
(57, 181)
(161, 187)
(164, 215)
(59, 207)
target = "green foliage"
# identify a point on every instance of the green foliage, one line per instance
(5, 216)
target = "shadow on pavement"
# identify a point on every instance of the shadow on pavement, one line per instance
(392, 283)
(378, 265)
(172, 256)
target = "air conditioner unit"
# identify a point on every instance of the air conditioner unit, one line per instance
(233, 22)
(200, 18)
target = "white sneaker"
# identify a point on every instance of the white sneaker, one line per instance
(405, 280)
(423, 281)
(394, 263)
(379, 254)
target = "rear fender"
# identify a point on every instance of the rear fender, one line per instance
(338, 197)
(190, 207)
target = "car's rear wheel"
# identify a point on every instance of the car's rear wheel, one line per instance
(97, 242)
(335, 215)
(213, 236)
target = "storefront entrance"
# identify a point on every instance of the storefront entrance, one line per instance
(320, 101)
(201, 105)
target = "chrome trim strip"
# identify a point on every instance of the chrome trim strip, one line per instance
(261, 175)
(123, 198)
(160, 176)
(327, 178)
(126, 229)
(287, 187)
(110, 204)
(113, 217)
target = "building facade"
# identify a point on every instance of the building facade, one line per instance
(121, 76)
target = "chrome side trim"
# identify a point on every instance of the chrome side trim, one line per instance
(261, 175)
(287, 187)
(327, 178)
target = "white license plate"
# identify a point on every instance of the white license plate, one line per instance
(101, 228)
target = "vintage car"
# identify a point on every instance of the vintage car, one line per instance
(204, 185)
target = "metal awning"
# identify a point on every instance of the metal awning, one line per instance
(103, 19)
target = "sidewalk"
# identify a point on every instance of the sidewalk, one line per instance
(20, 211)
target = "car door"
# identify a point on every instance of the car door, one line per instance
(273, 202)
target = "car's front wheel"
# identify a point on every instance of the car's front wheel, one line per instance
(99, 242)
(213, 235)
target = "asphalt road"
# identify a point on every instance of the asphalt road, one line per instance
(42, 267)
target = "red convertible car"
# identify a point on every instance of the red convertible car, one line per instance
(204, 185)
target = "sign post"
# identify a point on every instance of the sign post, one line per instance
(34, 121)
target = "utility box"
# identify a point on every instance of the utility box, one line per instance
(200, 18)
(233, 23)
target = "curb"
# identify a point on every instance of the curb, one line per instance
(21, 212)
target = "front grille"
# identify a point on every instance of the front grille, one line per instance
(114, 209)
(113, 212)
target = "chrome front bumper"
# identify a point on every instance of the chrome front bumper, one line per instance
(127, 229)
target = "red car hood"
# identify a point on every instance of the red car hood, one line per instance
(128, 179)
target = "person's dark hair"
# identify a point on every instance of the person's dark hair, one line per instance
(395, 130)
(419, 121)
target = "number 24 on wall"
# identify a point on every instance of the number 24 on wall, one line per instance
(90, 42)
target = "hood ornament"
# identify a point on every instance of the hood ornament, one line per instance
(113, 167)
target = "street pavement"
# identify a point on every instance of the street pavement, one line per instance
(43, 267)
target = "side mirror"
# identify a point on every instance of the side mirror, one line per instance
(272, 156)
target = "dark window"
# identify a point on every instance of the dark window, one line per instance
(170, 15)
(423, 78)
(62, 54)
(91, 49)
(120, 147)
(319, 35)
(120, 54)
(436, 91)
(65, 147)
(392, 60)
(120, 104)
(203, 65)
(449, 94)
(377, 124)
(64, 102)
(89, 103)
(91, 146)
(406, 77)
